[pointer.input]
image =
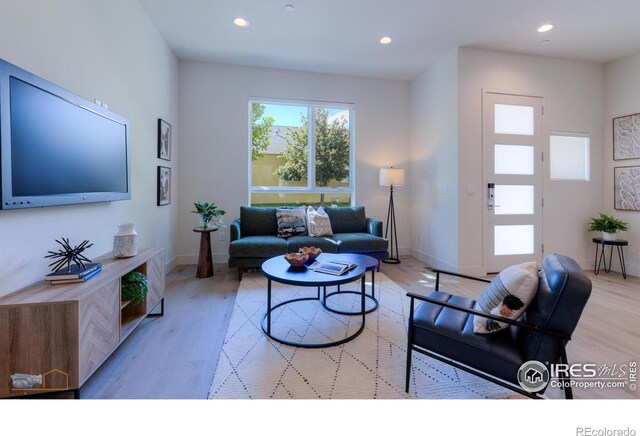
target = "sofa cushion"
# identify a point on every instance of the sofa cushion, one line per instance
(360, 242)
(326, 244)
(291, 221)
(318, 222)
(257, 221)
(258, 246)
(508, 295)
(347, 219)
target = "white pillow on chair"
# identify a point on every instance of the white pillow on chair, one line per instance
(508, 295)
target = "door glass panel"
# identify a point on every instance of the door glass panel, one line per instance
(513, 159)
(514, 199)
(513, 120)
(516, 239)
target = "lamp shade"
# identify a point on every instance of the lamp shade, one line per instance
(391, 177)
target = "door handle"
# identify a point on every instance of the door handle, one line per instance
(491, 196)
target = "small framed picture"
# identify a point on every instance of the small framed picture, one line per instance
(164, 186)
(164, 140)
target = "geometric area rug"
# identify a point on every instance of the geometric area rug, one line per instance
(371, 366)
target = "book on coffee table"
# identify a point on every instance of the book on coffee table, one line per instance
(335, 267)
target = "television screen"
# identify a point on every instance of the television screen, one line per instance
(71, 150)
(57, 148)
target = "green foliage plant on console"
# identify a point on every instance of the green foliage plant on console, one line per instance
(134, 287)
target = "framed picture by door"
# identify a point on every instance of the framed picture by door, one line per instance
(164, 140)
(164, 186)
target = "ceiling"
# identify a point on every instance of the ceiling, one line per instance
(341, 36)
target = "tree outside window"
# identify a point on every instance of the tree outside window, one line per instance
(281, 150)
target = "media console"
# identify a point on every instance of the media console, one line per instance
(54, 337)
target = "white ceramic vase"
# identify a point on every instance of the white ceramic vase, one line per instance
(125, 242)
(609, 236)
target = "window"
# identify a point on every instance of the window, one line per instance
(301, 153)
(569, 156)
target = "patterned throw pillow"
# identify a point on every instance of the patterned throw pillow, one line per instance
(508, 295)
(291, 222)
(319, 223)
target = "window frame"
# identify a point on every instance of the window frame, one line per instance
(584, 135)
(311, 187)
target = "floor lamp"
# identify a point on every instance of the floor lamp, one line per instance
(391, 177)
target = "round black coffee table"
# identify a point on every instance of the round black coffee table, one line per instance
(278, 269)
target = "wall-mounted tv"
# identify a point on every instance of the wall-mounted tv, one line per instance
(57, 148)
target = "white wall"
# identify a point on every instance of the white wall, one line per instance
(434, 164)
(622, 97)
(213, 106)
(113, 52)
(573, 101)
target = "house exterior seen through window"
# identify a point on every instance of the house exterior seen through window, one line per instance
(301, 153)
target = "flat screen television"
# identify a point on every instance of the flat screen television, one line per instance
(57, 148)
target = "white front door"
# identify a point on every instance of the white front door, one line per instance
(512, 175)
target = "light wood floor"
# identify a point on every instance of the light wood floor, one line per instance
(175, 356)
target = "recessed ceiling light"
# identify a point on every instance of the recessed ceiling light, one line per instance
(240, 22)
(289, 8)
(385, 40)
(545, 28)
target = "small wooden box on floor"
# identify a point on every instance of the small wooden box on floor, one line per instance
(64, 332)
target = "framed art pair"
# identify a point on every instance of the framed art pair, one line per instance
(626, 146)
(164, 153)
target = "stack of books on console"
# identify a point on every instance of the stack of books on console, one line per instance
(74, 274)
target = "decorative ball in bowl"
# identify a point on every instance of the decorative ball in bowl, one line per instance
(312, 252)
(296, 260)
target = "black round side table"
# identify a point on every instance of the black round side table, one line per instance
(601, 258)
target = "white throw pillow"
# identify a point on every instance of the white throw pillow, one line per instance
(319, 223)
(508, 295)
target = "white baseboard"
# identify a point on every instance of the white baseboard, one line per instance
(171, 264)
(433, 261)
(585, 264)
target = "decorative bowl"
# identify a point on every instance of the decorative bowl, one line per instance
(312, 252)
(296, 259)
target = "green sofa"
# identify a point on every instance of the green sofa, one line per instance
(253, 236)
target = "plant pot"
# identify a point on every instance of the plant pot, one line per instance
(205, 222)
(609, 236)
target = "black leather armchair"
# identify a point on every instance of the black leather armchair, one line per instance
(441, 326)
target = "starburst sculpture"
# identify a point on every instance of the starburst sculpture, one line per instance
(68, 254)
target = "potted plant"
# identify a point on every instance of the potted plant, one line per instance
(608, 225)
(134, 287)
(208, 211)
